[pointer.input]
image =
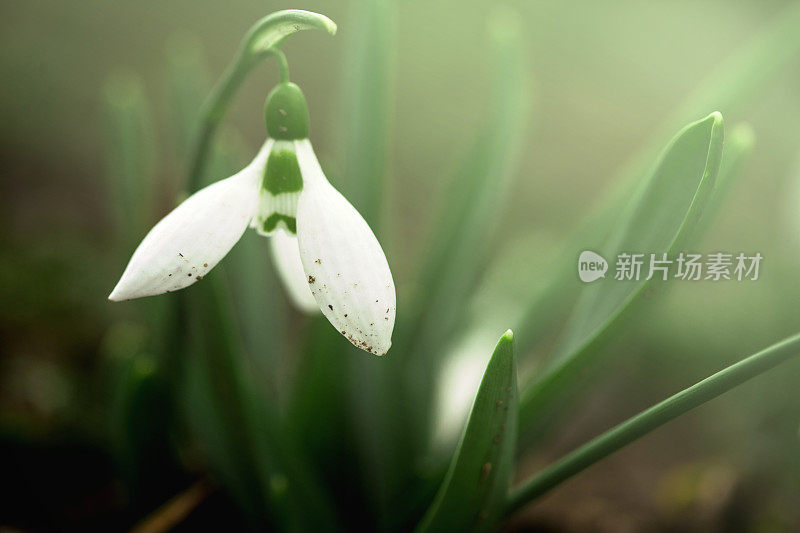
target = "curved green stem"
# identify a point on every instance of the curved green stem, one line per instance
(261, 40)
(283, 65)
(652, 418)
(211, 115)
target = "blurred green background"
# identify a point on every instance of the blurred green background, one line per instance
(605, 77)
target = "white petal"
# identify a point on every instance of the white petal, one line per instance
(286, 258)
(346, 267)
(194, 237)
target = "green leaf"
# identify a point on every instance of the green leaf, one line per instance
(131, 154)
(474, 203)
(187, 86)
(243, 436)
(472, 207)
(472, 496)
(653, 418)
(738, 147)
(369, 105)
(736, 81)
(658, 219)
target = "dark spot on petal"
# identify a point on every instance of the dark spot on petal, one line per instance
(330, 307)
(318, 261)
(311, 279)
(189, 274)
(205, 264)
(345, 315)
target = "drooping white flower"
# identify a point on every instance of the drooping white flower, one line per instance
(284, 194)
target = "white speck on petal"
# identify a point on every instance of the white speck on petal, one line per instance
(347, 270)
(286, 258)
(193, 237)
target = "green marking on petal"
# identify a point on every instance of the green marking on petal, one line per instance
(271, 223)
(280, 190)
(282, 173)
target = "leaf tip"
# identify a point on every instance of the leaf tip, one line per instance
(716, 117)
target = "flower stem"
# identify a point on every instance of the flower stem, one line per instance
(652, 418)
(211, 115)
(263, 39)
(283, 65)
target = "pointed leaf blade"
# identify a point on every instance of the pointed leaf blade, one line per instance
(472, 494)
(663, 212)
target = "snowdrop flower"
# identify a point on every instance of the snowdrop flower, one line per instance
(325, 252)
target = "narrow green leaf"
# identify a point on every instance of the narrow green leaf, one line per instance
(662, 213)
(477, 193)
(472, 496)
(141, 434)
(369, 105)
(187, 85)
(653, 418)
(218, 397)
(373, 384)
(453, 263)
(131, 155)
(243, 435)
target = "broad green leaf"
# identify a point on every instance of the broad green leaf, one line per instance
(736, 81)
(738, 147)
(472, 496)
(658, 219)
(518, 274)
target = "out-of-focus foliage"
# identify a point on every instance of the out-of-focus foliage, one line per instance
(478, 140)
